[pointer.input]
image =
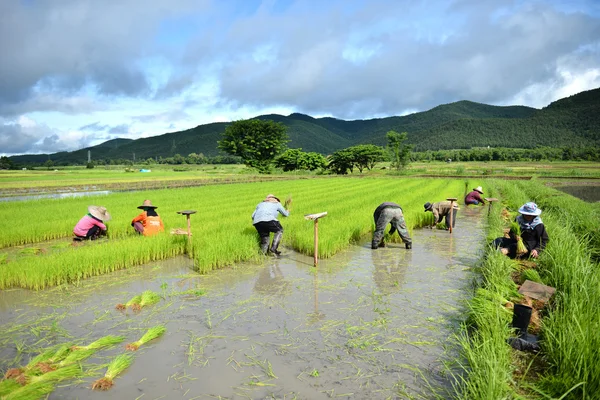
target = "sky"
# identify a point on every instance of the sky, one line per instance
(75, 73)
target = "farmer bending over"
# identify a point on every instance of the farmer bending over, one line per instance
(148, 223)
(440, 210)
(264, 219)
(91, 226)
(533, 233)
(384, 214)
(475, 196)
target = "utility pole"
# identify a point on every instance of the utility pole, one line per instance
(134, 157)
(89, 156)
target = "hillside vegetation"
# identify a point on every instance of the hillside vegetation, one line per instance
(568, 122)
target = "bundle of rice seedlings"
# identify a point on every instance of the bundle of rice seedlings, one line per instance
(148, 298)
(134, 300)
(152, 333)
(48, 364)
(33, 391)
(531, 275)
(116, 366)
(7, 386)
(75, 357)
(515, 229)
(68, 372)
(16, 372)
(288, 202)
(106, 341)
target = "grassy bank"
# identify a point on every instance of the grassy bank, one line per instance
(569, 362)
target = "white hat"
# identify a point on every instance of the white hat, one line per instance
(99, 212)
(479, 189)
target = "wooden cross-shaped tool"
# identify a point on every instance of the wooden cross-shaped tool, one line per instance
(187, 213)
(315, 217)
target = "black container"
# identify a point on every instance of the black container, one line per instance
(521, 318)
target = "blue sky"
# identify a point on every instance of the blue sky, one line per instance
(76, 73)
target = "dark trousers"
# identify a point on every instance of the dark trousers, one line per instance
(396, 218)
(94, 233)
(265, 228)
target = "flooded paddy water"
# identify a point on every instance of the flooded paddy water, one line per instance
(365, 324)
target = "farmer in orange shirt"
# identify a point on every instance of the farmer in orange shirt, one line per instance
(148, 223)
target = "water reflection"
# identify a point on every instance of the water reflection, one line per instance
(589, 193)
(389, 267)
(270, 281)
(55, 195)
(316, 316)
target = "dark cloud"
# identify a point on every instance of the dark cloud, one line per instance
(370, 62)
(95, 127)
(62, 47)
(119, 129)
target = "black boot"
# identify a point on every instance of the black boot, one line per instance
(276, 240)
(264, 244)
(408, 246)
(374, 245)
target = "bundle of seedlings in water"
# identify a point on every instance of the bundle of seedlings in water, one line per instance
(48, 364)
(134, 300)
(515, 230)
(101, 343)
(148, 298)
(33, 391)
(152, 334)
(75, 357)
(8, 386)
(17, 372)
(116, 366)
(68, 372)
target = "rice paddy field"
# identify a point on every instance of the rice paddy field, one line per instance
(210, 317)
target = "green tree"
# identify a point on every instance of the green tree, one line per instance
(366, 155)
(49, 164)
(6, 163)
(257, 142)
(399, 152)
(341, 161)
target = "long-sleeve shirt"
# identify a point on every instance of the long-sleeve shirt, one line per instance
(152, 224)
(440, 210)
(380, 208)
(85, 224)
(474, 195)
(268, 211)
(536, 238)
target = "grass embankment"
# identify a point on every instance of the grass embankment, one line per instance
(222, 229)
(569, 363)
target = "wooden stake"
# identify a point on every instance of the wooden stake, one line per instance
(490, 201)
(451, 216)
(315, 217)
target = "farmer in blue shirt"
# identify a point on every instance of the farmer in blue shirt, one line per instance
(265, 221)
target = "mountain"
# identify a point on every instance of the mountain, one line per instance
(572, 121)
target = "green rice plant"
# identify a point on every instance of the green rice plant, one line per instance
(68, 372)
(531, 275)
(16, 372)
(7, 386)
(60, 354)
(151, 334)
(116, 366)
(76, 357)
(106, 341)
(148, 298)
(33, 391)
(515, 230)
(134, 301)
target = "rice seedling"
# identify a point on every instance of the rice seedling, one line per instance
(106, 341)
(47, 365)
(135, 300)
(151, 334)
(68, 372)
(33, 391)
(148, 298)
(16, 372)
(7, 386)
(515, 230)
(116, 366)
(531, 275)
(76, 357)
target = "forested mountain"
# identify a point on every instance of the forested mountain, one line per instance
(572, 121)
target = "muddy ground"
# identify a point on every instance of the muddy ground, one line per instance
(363, 325)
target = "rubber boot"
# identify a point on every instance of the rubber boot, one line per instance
(264, 244)
(521, 319)
(408, 246)
(374, 245)
(276, 240)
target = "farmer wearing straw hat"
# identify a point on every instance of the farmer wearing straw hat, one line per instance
(264, 219)
(148, 223)
(387, 213)
(475, 196)
(440, 210)
(533, 233)
(91, 226)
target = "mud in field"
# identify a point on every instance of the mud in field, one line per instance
(366, 324)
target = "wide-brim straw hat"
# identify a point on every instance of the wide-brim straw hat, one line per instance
(479, 189)
(147, 204)
(427, 206)
(272, 196)
(530, 209)
(99, 212)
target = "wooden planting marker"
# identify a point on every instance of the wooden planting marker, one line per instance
(315, 217)
(490, 201)
(187, 213)
(451, 216)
